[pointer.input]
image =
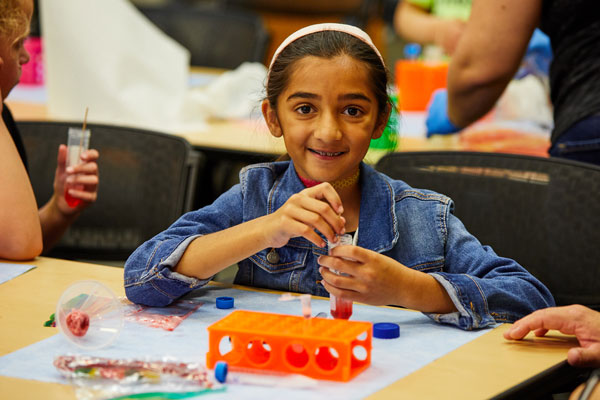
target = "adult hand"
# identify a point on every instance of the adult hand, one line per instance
(316, 208)
(81, 179)
(437, 121)
(576, 320)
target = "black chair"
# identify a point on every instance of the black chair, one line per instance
(353, 12)
(147, 180)
(542, 212)
(215, 37)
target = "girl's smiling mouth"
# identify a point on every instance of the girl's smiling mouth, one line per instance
(326, 153)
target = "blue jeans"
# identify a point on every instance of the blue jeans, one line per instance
(581, 142)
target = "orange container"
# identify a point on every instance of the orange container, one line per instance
(321, 348)
(416, 80)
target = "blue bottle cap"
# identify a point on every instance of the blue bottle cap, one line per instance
(386, 330)
(221, 371)
(224, 302)
(412, 51)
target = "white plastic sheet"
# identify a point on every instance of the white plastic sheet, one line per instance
(105, 55)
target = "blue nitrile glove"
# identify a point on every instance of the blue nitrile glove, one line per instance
(540, 44)
(437, 121)
(538, 56)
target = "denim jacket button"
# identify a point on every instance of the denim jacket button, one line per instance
(273, 257)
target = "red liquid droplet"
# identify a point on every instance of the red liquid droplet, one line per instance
(71, 201)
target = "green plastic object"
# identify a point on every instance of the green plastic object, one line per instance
(389, 139)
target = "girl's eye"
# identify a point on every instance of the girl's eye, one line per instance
(353, 111)
(305, 109)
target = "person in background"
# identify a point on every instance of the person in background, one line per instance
(490, 52)
(576, 320)
(432, 22)
(410, 250)
(26, 231)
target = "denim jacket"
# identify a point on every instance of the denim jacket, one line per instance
(415, 227)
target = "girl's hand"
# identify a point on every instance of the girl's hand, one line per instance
(316, 208)
(372, 277)
(82, 179)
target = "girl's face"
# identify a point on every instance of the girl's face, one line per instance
(13, 55)
(327, 115)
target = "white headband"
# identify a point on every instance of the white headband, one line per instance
(349, 29)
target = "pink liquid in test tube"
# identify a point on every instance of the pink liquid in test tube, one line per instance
(78, 141)
(340, 308)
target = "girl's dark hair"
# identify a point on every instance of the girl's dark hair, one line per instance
(328, 44)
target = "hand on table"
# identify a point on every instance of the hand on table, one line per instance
(576, 320)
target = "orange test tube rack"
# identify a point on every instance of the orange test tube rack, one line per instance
(417, 80)
(320, 348)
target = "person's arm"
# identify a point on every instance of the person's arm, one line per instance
(56, 215)
(20, 232)
(203, 242)
(415, 24)
(301, 214)
(576, 320)
(488, 55)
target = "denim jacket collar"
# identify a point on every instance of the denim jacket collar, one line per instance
(376, 204)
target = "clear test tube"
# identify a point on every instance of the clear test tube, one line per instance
(339, 308)
(78, 141)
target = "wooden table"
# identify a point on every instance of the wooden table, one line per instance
(483, 368)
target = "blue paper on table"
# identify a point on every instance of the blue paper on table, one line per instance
(421, 341)
(10, 271)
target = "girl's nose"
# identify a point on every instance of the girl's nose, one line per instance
(24, 56)
(328, 128)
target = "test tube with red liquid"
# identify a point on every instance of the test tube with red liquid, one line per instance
(340, 308)
(77, 142)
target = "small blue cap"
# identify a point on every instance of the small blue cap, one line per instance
(386, 330)
(225, 302)
(412, 51)
(221, 371)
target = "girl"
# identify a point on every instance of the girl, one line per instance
(327, 98)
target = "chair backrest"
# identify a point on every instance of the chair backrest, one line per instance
(215, 37)
(542, 212)
(147, 180)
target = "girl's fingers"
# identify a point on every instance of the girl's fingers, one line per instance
(326, 192)
(308, 234)
(338, 285)
(324, 211)
(311, 221)
(338, 264)
(354, 253)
